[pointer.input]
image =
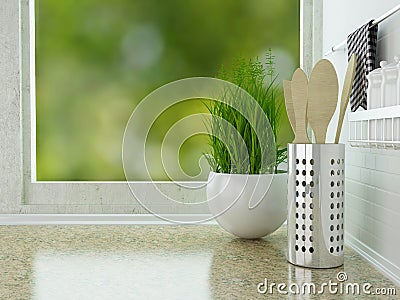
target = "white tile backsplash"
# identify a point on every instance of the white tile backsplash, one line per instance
(389, 163)
(372, 210)
(353, 173)
(369, 161)
(389, 201)
(356, 159)
(385, 181)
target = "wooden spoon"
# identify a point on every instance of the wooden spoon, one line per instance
(299, 88)
(287, 91)
(322, 98)
(347, 85)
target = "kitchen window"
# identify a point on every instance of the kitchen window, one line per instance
(43, 190)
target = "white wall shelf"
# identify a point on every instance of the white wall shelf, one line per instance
(375, 128)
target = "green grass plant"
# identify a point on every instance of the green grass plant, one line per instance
(227, 154)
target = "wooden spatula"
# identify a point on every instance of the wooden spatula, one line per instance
(287, 91)
(322, 98)
(299, 88)
(347, 85)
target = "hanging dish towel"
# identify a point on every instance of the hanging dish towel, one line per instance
(362, 42)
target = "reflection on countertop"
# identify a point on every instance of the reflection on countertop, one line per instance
(157, 262)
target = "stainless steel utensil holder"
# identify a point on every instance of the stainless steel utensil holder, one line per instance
(315, 205)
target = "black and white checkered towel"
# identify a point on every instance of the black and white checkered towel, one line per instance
(362, 42)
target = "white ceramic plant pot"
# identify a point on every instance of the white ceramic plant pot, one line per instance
(248, 206)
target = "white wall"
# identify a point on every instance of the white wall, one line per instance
(372, 211)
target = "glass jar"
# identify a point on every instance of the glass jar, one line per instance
(374, 99)
(390, 75)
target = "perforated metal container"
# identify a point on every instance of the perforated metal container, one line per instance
(315, 205)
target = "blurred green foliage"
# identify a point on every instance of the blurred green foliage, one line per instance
(96, 59)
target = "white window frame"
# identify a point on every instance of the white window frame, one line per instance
(20, 192)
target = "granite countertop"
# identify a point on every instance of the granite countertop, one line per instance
(158, 262)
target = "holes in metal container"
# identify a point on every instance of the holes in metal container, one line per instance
(332, 194)
(297, 161)
(297, 204)
(332, 216)
(304, 161)
(338, 161)
(312, 183)
(342, 172)
(311, 194)
(332, 161)
(297, 183)
(331, 250)
(338, 183)
(303, 205)
(311, 205)
(311, 227)
(338, 205)
(342, 237)
(304, 194)
(312, 172)
(338, 172)
(342, 160)
(338, 216)
(342, 202)
(342, 182)
(297, 226)
(311, 249)
(342, 215)
(311, 217)
(303, 216)
(297, 172)
(296, 248)
(303, 227)
(297, 215)
(303, 238)
(297, 236)
(341, 247)
(332, 184)
(337, 238)
(337, 249)
(304, 172)
(303, 249)
(342, 226)
(312, 161)
(338, 194)
(332, 238)
(332, 227)
(297, 193)
(332, 206)
(332, 172)
(303, 183)
(337, 227)
(311, 238)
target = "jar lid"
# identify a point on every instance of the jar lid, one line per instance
(377, 71)
(384, 64)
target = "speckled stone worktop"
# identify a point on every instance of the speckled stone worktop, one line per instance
(156, 262)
